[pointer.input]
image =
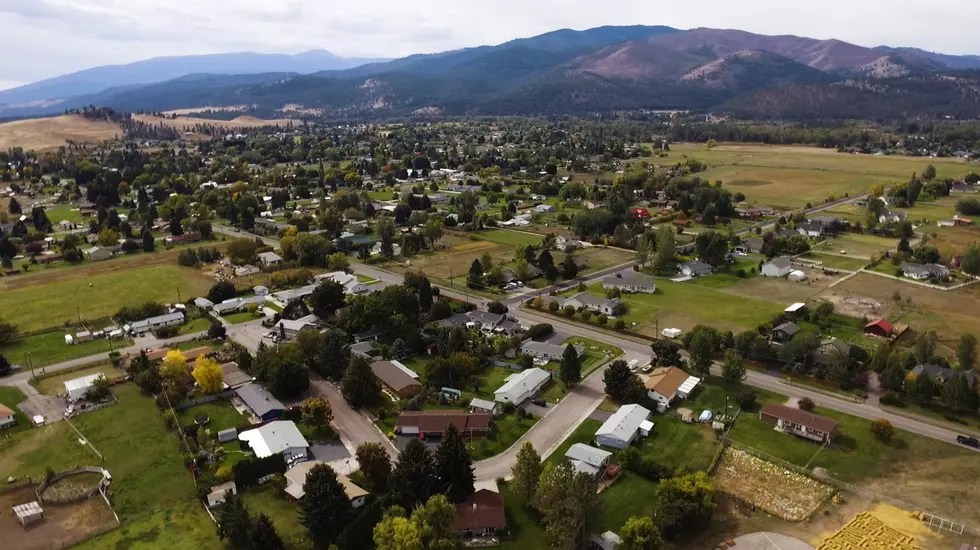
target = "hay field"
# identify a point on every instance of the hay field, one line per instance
(45, 134)
(788, 177)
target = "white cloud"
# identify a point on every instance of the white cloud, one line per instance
(57, 36)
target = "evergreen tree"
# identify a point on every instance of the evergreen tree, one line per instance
(415, 477)
(264, 535)
(622, 384)
(527, 471)
(475, 277)
(571, 367)
(234, 522)
(425, 294)
(546, 263)
(13, 206)
(5, 366)
(359, 386)
(455, 466)
(922, 387)
(569, 269)
(148, 242)
(175, 227)
(665, 249)
(956, 394)
(325, 508)
(966, 351)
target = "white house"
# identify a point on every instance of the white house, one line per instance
(280, 436)
(623, 427)
(217, 495)
(544, 208)
(350, 282)
(893, 216)
(6, 416)
(587, 459)
(77, 388)
(153, 323)
(666, 383)
(396, 249)
(296, 483)
(780, 267)
(288, 329)
(485, 406)
(696, 269)
(270, 258)
(630, 282)
(542, 350)
(522, 385)
(593, 303)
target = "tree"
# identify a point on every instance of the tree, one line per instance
(475, 277)
(338, 262)
(108, 237)
(217, 331)
(685, 503)
(5, 366)
(666, 249)
(435, 521)
(332, 354)
(359, 386)
(666, 352)
(415, 477)
(455, 466)
(711, 247)
(221, 291)
(325, 508)
(640, 533)
(571, 367)
(957, 395)
(99, 390)
(173, 369)
(208, 374)
(316, 412)
(568, 504)
(733, 369)
(882, 429)
(971, 259)
(922, 387)
(893, 377)
(14, 207)
(644, 249)
(149, 243)
(327, 298)
(622, 384)
(966, 352)
(929, 173)
(8, 333)
(526, 471)
(432, 231)
(263, 535)
(569, 269)
(925, 346)
(701, 343)
(396, 532)
(806, 404)
(375, 464)
(546, 263)
(234, 524)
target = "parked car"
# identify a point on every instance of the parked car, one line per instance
(540, 402)
(968, 441)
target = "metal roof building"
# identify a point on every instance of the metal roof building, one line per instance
(620, 429)
(262, 403)
(281, 436)
(522, 385)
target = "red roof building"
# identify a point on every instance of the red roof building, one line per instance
(641, 214)
(682, 222)
(481, 514)
(436, 422)
(880, 328)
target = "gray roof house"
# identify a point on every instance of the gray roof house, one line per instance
(696, 268)
(811, 228)
(893, 216)
(270, 258)
(590, 460)
(236, 304)
(631, 282)
(542, 350)
(260, 401)
(593, 303)
(784, 332)
(624, 426)
(921, 272)
(144, 325)
(941, 375)
(779, 267)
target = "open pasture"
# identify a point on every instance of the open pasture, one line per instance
(45, 134)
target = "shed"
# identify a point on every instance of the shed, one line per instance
(879, 327)
(797, 275)
(217, 495)
(483, 405)
(28, 514)
(77, 388)
(230, 434)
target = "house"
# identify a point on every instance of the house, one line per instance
(97, 254)
(280, 436)
(879, 327)
(630, 282)
(436, 422)
(830, 350)
(922, 272)
(153, 323)
(784, 332)
(753, 245)
(396, 380)
(780, 267)
(893, 216)
(799, 422)
(203, 303)
(544, 209)
(667, 383)
(396, 249)
(289, 329)
(811, 228)
(371, 335)
(233, 305)
(483, 320)
(270, 258)
(191, 237)
(585, 300)
(291, 294)
(260, 401)
(260, 290)
(567, 243)
(217, 495)
(363, 349)
(542, 350)
(7, 417)
(484, 406)
(624, 426)
(76, 389)
(640, 214)
(940, 375)
(482, 513)
(296, 483)
(695, 268)
(522, 385)
(587, 459)
(350, 282)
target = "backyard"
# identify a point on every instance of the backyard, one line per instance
(857, 245)
(283, 513)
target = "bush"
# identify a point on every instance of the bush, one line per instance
(806, 404)
(541, 329)
(746, 401)
(602, 319)
(166, 332)
(508, 408)
(882, 429)
(620, 324)
(586, 315)
(893, 399)
(553, 306)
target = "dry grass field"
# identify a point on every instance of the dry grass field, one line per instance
(789, 177)
(185, 112)
(186, 124)
(42, 134)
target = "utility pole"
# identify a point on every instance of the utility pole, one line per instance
(78, 312)
(178, 295)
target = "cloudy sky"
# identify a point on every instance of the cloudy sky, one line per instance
(51, 37)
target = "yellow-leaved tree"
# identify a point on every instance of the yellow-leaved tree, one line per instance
(173, 370)
(208, 374)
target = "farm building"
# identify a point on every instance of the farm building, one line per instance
(624, 426)
(296, 483)
(666, 383)
(522, 385)
(7, 417)
(436, 422)
(482, 513)
(879, 327)
(76, 389)
(780, 267)
(395, 379)
(799, 422)
(280, 436)
(587, 459)
(262, 403)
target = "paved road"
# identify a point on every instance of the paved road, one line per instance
(353, 426)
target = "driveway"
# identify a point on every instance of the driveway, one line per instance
(329, 452)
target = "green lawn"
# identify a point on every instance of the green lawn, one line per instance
(522, 522)
(12, 397)
(241, 317)
(221, 415)
(584, 433)
(509, 428)
(196, 325)
(64, 212)
(284, 514)
(185, 525)
(837, 262)
(54, 385)
(679, 445)
(861, 246)
(49, 347)
(512, 238)
(97, 296)
(631, 495)
(596, 353)
(418, 363)
(727, 276)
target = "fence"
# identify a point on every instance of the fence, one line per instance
(934, 520)
(74, 498)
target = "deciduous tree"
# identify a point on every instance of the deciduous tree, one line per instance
(375, 464)
(208, 374)
(733, 369)
(966, 351)
(640, 533)
(316, 412)
(527, 471)
(568, 504)
(359, 386)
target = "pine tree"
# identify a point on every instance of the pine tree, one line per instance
(264, 535)
(359, 385)
(622, 384)
(569, 269)
(571, 367)
(475, 277)
(234, 522)
(415, 477)
(13, 206)
(325, 508)
(527, 471)
(148, 242)
(175, 228)
(455, 466)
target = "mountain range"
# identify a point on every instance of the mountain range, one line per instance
(562, 72)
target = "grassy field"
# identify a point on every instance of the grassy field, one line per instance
(55, 385)
(858, 245)
(629, 496)
(596, 353)
(511, 238)
(44, 134)
(952, 241)
(284, 514)
(185, 525)
(51, 302)
(836, 262)
(930, 211)
(197, 325)
(241, 317)
(12, 397)
(49, 347)
(64, 212)
(790, 177)
(523, 524)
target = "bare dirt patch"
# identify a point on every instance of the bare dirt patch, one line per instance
(43, 134)
(62, 525)
(783, 291)
(775, 489)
